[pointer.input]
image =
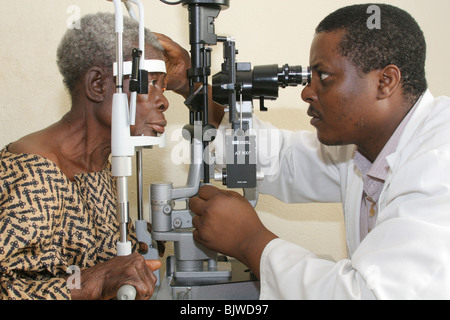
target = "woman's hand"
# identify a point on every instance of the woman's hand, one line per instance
(102, 281)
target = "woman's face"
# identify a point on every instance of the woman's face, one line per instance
(150, 108)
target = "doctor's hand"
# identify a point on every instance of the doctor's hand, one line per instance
(227, 223)
(102, 281)
(178, 62)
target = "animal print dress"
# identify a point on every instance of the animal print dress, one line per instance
(49, 223)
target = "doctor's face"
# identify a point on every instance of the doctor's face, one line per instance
(340, 99)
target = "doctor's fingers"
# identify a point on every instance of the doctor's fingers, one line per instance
(197, 205)
(199, 230)
(209, 192)
(207, 231)
(197, 225)
(204, 205)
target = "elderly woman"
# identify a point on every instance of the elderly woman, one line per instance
(57, 195)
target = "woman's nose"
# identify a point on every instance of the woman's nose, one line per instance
(161, 102)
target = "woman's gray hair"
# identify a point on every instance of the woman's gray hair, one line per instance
(94, 44)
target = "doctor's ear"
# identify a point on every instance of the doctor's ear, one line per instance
(389, 81)
(96, 82)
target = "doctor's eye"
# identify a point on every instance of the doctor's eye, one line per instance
(323, 75)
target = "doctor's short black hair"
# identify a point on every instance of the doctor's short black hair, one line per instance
(396, 40)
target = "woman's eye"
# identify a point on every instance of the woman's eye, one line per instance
(154, 83)
(323, 76)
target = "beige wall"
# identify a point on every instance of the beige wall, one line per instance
(32, 95)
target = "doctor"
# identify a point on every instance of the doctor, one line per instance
(382, 149)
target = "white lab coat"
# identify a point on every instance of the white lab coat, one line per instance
(407, 255)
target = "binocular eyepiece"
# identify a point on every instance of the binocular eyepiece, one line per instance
(293, 76)
(261, 83)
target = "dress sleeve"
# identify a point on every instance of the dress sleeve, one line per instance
(26, 289)
(30, 197)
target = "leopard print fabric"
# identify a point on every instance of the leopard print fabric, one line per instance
(48, 223)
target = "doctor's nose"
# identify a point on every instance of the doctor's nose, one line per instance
(308, 94)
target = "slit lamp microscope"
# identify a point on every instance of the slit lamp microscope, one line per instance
(193, 272)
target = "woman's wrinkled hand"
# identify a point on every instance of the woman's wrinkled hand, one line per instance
(102, 281)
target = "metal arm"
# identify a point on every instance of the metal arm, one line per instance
(123, 145)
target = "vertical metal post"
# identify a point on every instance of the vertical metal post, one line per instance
(122, 207)
(119, 59)
(140, 185)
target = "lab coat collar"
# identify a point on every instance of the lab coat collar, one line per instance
(355, 182)
(352, 207)
(423, 105)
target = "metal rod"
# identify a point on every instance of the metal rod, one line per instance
(122, 207)
(119, 59)
(140, 185)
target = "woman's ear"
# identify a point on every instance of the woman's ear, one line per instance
(389, 81)
(96, 84)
